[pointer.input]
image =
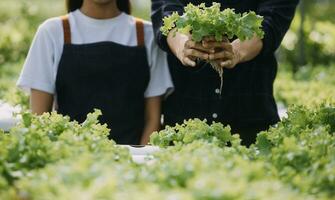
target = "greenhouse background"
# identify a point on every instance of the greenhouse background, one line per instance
(306, 56)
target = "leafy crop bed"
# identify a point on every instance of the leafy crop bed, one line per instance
(50, 157)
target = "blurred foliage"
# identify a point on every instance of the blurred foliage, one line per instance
(19, 20)
(141, 8)
(318, 35)
(318, 46)
(8, 91)
(324, 9)
(310, 86)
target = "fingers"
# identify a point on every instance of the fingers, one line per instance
(195, 53)
(188, 62)
(193, 50)
(227, 64)
(190, 44)
(208, 49)
(217, 45)
(213, 39)
(224, 55)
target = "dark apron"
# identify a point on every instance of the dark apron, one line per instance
(107, 76)
(246, 102)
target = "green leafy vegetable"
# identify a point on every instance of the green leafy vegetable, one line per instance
(201, 21)
(41, 140)
(301, 149)
(192, 130)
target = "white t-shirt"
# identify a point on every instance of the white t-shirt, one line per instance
(40, 67)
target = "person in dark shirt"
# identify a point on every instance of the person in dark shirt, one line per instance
(246, 101)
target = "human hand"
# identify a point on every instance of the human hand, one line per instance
(225, 54)
(187, 50)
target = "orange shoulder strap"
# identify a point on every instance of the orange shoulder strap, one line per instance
(66, 28)
(140, 32)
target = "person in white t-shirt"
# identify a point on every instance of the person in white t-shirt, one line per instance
(98, 56)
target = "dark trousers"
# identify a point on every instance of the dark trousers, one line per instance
(249, 134)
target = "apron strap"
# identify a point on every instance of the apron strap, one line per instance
(140, 32)
(66, 28)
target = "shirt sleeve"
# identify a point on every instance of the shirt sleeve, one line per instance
(160, 79)
(37, 72)
(161, 9)
(278, 15)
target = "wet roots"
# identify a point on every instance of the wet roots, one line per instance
(219, 70)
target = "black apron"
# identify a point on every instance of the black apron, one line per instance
(107, 76)
(246, 102)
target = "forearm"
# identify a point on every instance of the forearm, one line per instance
(247, 50)
(150, 127)
(152, 118)
(40, 102)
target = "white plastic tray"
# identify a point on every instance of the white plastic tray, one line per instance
(141, 154)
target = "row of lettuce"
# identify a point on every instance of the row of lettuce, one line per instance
(51, 157)
(310, 86)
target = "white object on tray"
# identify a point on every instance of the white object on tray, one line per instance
(141, 159)
(7, 118)
(141, 149)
